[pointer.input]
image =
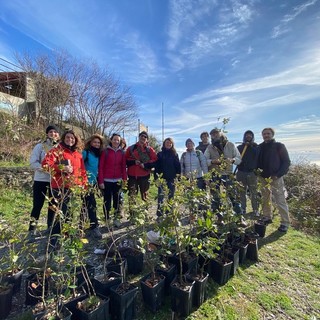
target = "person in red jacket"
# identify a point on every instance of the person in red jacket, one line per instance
(141, 158)
(67, 170)
(112, 171)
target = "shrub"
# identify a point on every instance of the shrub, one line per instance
(303, 187)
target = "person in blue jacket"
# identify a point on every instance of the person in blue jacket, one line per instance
(91, 155)
(168, 167)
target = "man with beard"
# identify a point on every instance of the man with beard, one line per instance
(274, 162)
(221, 155)
(245, 173)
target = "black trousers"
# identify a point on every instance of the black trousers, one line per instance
(90, 207)
(40, 190)
(111, 195)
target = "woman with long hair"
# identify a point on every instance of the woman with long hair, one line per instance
(66, 167)
(91, 155)
(168, 167)
(112, 172)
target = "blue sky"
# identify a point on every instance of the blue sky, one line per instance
(257, 62)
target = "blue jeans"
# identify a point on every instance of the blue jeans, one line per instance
(171, 188)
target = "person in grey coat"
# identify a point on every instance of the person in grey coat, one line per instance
(194, 164)
(41, 184)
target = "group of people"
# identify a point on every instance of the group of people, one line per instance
(265, 164)
(61, 165)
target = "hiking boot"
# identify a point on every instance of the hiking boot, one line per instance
(96, 233)
(117, 223)
(283, 228)
(31, 236)
(266, 220)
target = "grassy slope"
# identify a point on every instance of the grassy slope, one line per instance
(284, 284)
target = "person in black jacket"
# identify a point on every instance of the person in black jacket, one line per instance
(168, 167)
(274, 162)
(245, 172)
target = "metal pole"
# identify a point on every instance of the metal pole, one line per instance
(162, 123)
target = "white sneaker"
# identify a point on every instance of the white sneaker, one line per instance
(256, 213)
(96, 233)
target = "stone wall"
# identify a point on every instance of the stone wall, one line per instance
(16, 177)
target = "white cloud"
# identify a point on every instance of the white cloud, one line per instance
(288, 18)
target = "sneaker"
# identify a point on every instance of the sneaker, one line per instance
(256, 213)
(266, 220)
(283, 228)
(117, 223)
(96, 233)
(242, 223)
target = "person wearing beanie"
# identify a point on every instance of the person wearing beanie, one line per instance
(51, 127)
(193, 164)
(140, 159)
(204, 136)
(41, 181)
(245, 172)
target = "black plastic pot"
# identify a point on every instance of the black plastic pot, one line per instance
(134, 259)
(253, 250)
(169, 275)
(82, 272)
(189, 261)
(34, 288)
(260, 228)
(101, 313)
(15, 279)
(220, 269)
(72, 306)
(6, 302)
(234, 257)
(119, 266)
(153, 295)
(65, 314)
(243, 248)
(123, 302)
(102, 284)
(181, 297)
(199, 288)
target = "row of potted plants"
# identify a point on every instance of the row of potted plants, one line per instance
(189, 242)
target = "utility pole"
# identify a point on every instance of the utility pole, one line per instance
(162, 123)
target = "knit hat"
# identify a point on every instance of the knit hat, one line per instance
(145, 133)
(189, 140)
(51, 127)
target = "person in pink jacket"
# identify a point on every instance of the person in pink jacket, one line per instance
(112, 172)
(66, 167)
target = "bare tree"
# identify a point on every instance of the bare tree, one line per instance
(78, 92)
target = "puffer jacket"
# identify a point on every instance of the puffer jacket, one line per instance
(53, 163)
(193, 164)
(112, 165)
(37, 155)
